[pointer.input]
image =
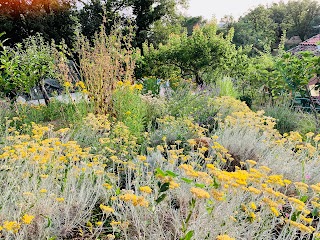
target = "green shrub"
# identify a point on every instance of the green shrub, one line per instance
(306, 123)
(25, 66)
(290, 120)
(151, 84)
(56, 113)
(129, 107)
(171, 129)
(187, 102)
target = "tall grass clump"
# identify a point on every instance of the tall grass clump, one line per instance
(226, 87)
(108, 60)
(57, 113)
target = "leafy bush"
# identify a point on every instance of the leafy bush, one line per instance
(129, 107)
(171, 129)
(151, 84)
(286, 119)
(186, 101)
(56, 113)
(25, 66)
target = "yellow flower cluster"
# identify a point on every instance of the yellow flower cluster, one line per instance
(200, 193)
(27, 219)
(134, 199)
(224, 237)
(130, 85)
(106, 209)
(145, 189)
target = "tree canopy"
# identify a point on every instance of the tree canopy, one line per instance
(23, 18)
(263, 26)
(193, 55)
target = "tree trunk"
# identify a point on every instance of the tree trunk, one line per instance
(199, 80)
(44, 92)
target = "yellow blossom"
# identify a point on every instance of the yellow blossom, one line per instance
(106, 209)
(251, 162)
(99, 223)
(141, 158)
(274, 211)
(200, 193)
(224, 237)
(145, 189)
(67, 84)
(173, 185)
(253, 205)
(27, 219)
(12, 226)
(107, 186)
(111, 236)
(114, 223)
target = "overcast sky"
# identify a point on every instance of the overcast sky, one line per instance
(219, 8)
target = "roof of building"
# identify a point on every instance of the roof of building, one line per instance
(308, 45)
(311, 41)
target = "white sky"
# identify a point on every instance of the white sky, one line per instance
(219, 8)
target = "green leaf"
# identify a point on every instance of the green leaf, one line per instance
(161, 198)
(164, 187)
(160, 172)
(188, 236)
(200, 185)
(171, 174)
(118, 191)
(304, 199)
(187, 180)
(295, 216)
(215, 184)
(315, 212)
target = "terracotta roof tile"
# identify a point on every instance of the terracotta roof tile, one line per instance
(311, 41)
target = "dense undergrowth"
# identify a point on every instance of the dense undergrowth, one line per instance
(106, 179)
(154, 158)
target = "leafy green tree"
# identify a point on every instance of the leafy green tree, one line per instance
(23, 18)
(256, 29)
(297, 70)
(94, 13)
(302, 16)
(147, 12)
(263, 26)
(191, 22)
(278, 15)
(146, 15)
(161, 30)
(203, 51)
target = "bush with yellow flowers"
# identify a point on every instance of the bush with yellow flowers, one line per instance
(242, 180)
